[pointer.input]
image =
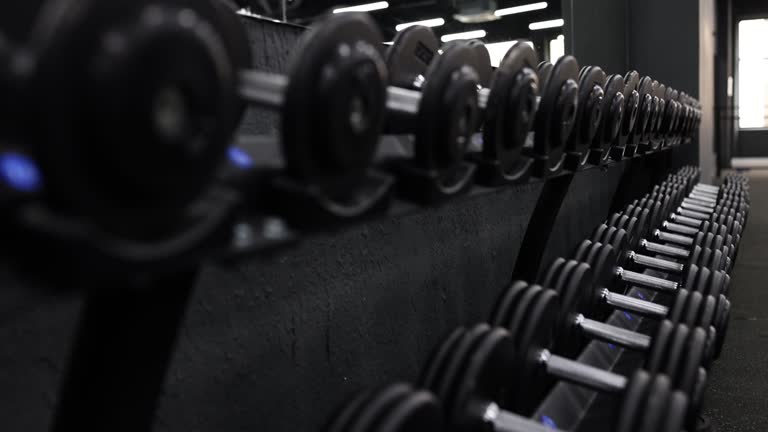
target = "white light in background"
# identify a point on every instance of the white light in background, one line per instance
(474, 34)
(434, 22)
(546, 24)
(498, 50)
(363, 7)
(753, 74)
(520, 9)
(556, 48)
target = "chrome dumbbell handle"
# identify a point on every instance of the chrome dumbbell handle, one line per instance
(580, 373)
(645, 280)
(612, 334)
(631, 304)
(663, 249)
(685, 220)
(673, 238)
(656, 263)
(505, 421)
(694, 207)
(680, 228)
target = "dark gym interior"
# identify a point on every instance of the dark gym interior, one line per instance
(383, 216)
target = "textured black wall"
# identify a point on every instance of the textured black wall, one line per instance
(600, 31)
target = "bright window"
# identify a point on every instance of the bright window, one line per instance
(753, 74)
(556, 48)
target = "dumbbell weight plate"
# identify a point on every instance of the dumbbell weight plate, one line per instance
(557, 111)
(511, 108)
(655, 407)
(588, 111)
(336, 135)
(658, 355)
(448, 109)
(632, 402)
(376, 407)
(503, 308)
(534, 331)
(410, 54)
(93, 134)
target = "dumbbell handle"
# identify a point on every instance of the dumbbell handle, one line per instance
(268, 89)
(580, 373)
(684, 220)
(695, 207)
(706, 187)
(693, 214)
(680, 228)
(656, 263)
(706, 198)
(673, 238)
(664, 249)
(612, 334)
(505, 421)
(699, 202)
(262, 88)
(631, 304)
(645, 280)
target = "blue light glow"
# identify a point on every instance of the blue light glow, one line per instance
(629, 317)
(639, 294)
(19, 172)
(612, 346)
(547, 421)
(240, 158)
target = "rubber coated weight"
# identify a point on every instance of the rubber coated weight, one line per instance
(557, 112)
(448, 110)
(588, 112)
(511, 108)
(176, 149)
(336, 65)
(409, 56)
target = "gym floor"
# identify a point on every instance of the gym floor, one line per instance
(738, 387)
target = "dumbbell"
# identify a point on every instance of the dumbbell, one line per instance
(635, 219)
(648, 111)
(475, 370)
(586, 300)
(507, 99)
(589, 115)
(704, 202)
(658, 205)
(102, 68)
(727, 224)
(606, 266)
(619, 113)
(396, 407)
(577, 298)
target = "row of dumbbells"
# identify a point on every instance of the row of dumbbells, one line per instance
(493, 376)
(128, 106)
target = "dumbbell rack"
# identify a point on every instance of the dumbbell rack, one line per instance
(314, 367)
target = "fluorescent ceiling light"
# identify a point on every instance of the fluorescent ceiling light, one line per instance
(434, 22)
(546, 24)
(363, 7)
(521, 9)
(498, 50)
(474, 34)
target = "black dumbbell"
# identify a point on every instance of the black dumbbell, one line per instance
(395, 407)
(102, 68)
(473, 371)
(658, 206)
(572, 281)
(622, 241)
(584, 291)
(635, 219)
(606, 266)
(619, 112)
(589, 116)
(632, 107)
(507, 99)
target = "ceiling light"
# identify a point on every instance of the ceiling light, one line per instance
(546, 24)
(474, 34)
(363, 7)
(520, 9)
(434, 22)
